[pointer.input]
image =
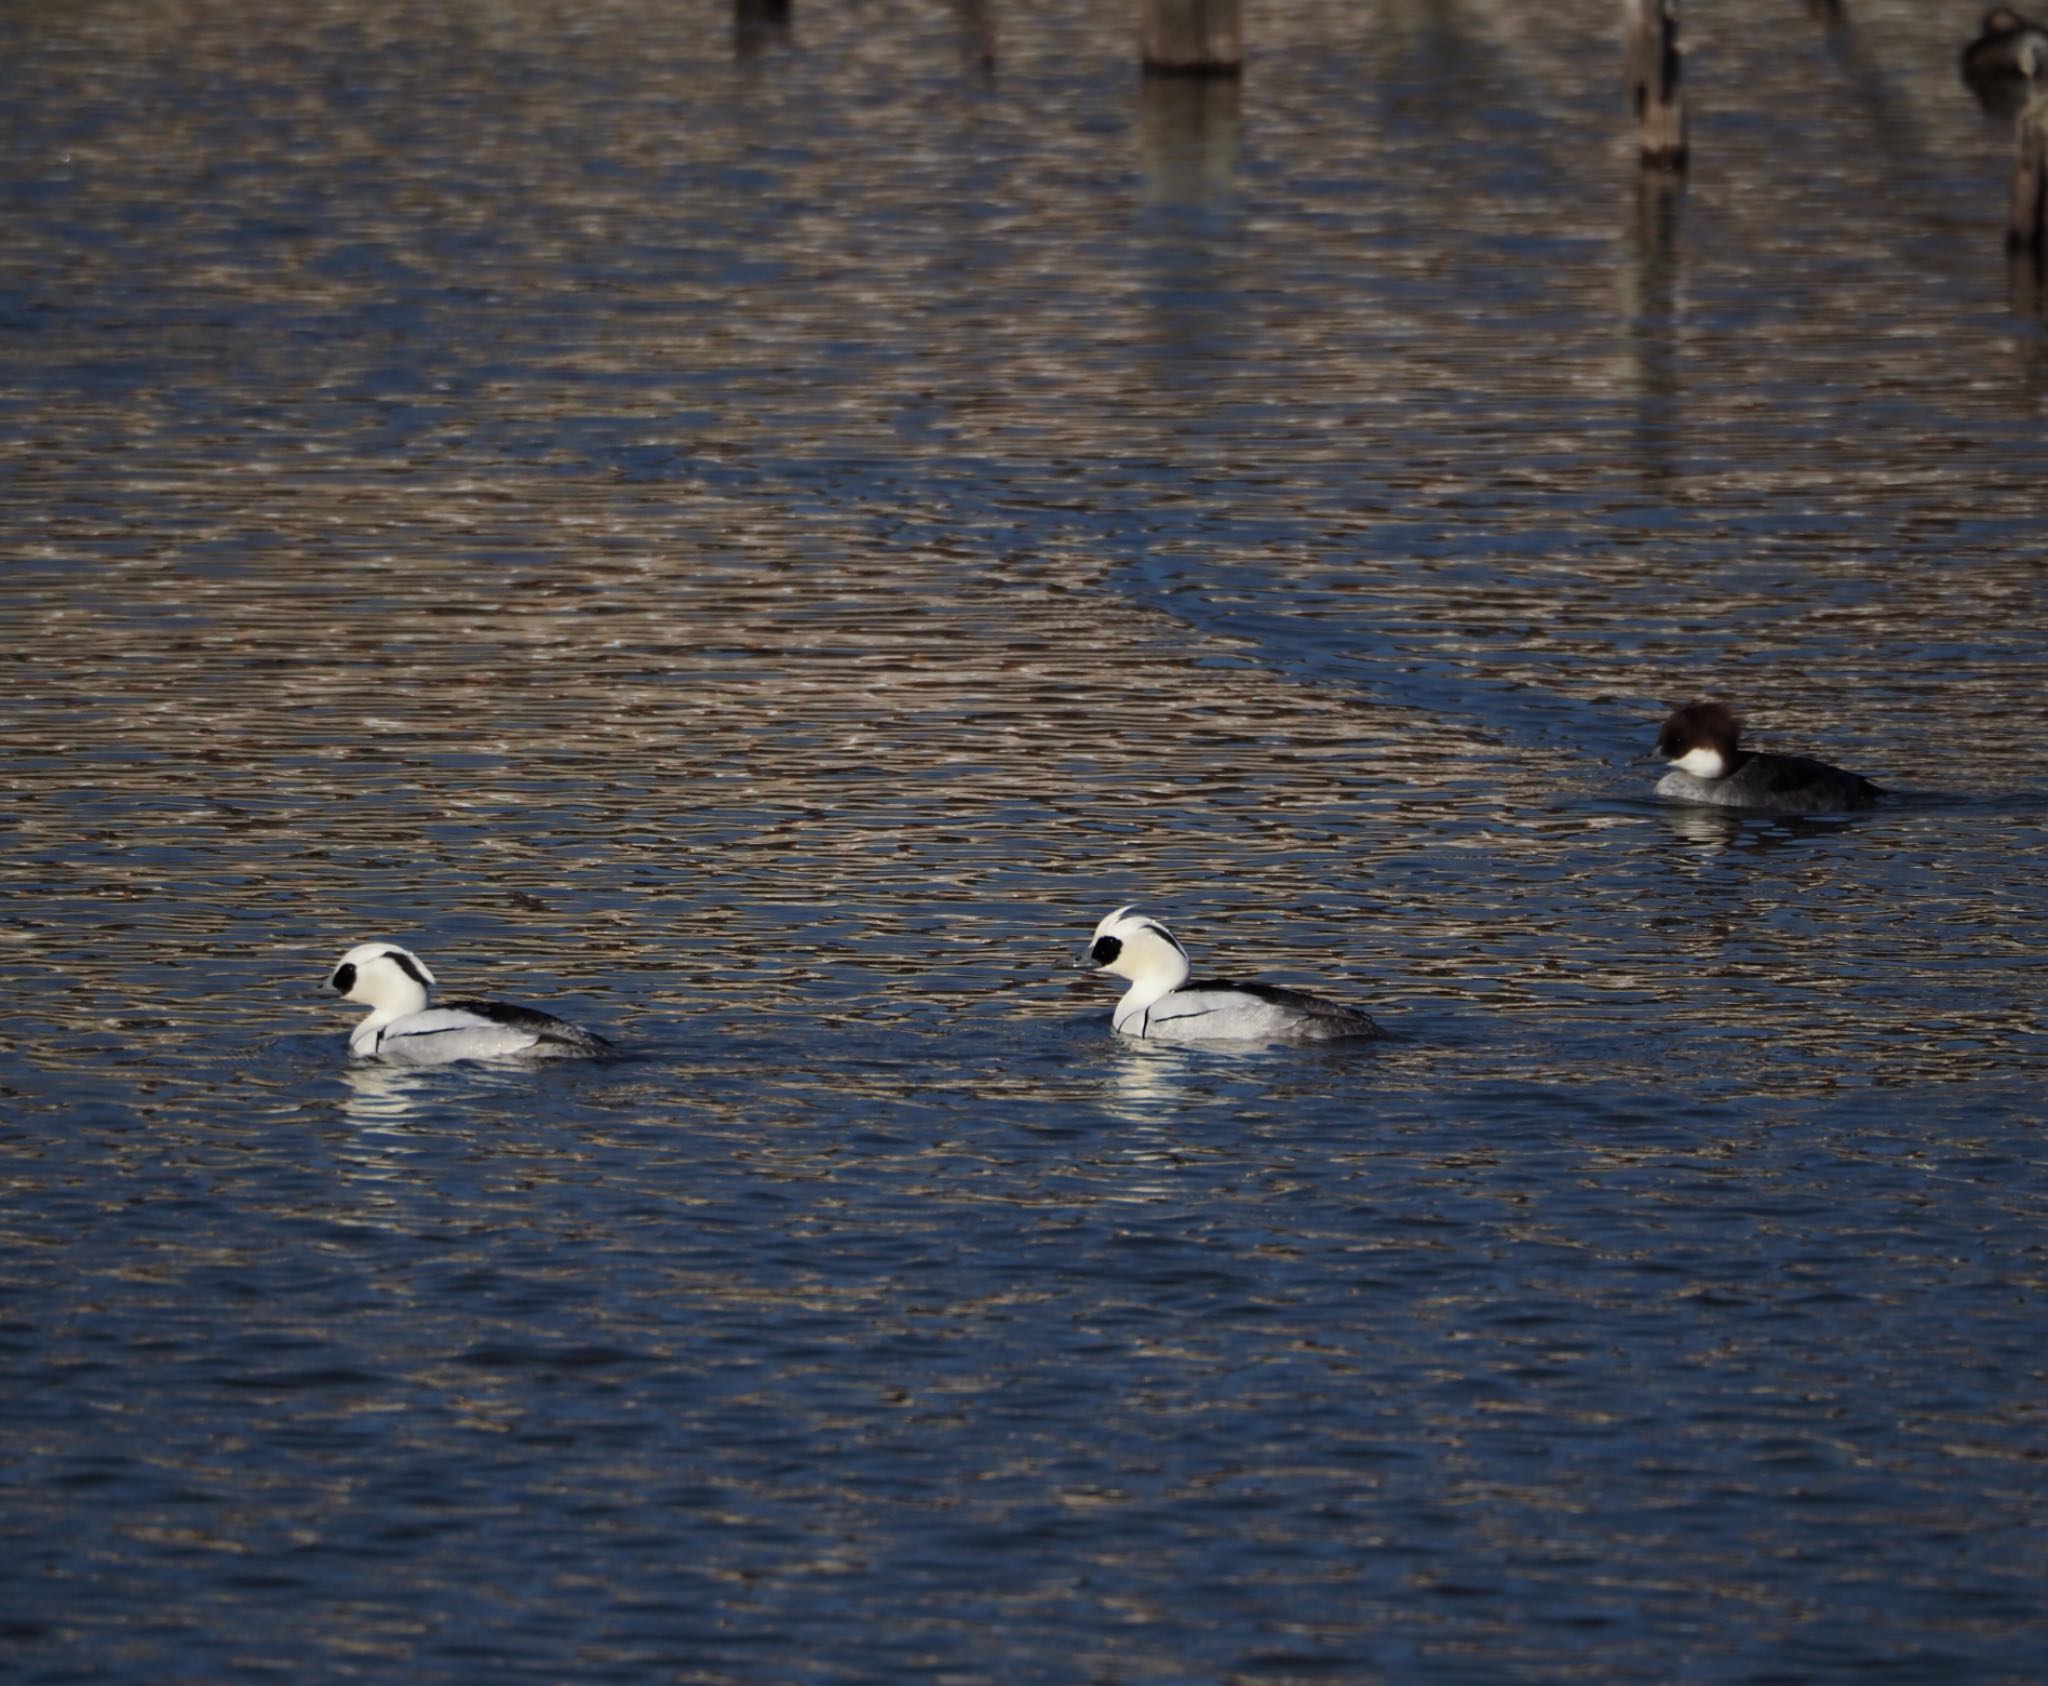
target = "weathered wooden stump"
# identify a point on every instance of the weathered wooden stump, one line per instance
(1654, 74)
(1188, 139)
(2024, 224)
(757, 24)
(1193, 37)
(977, 22)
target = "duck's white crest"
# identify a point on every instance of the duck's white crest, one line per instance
(1144, 951)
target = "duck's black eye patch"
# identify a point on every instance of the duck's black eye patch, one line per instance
(343, 981)
(1106, 949)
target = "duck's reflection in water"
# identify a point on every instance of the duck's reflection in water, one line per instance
(1716, 831)
(1162, 1096)
(1710, 829)
(1147, 1084)
(383, 1099)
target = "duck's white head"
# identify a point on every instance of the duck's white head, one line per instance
(1141, 949)
(393, 980)
(1701, 739)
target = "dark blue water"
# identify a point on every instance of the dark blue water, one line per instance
(757, 539)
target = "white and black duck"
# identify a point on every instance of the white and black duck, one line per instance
(1162, 1005)
(405, 1028)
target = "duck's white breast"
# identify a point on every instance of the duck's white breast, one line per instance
(1679, 786)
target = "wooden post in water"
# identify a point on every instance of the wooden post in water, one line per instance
(1654, 73)
(2024, 230)
(1193, 37)
(757, 24)
(977, 34)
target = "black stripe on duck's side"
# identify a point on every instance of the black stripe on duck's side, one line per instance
(1161, 1010)
(397, 1034)
(543, 1025)
(1279, 995)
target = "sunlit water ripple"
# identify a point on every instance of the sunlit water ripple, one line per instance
(757, 539)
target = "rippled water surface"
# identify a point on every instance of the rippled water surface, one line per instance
(757, 536)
